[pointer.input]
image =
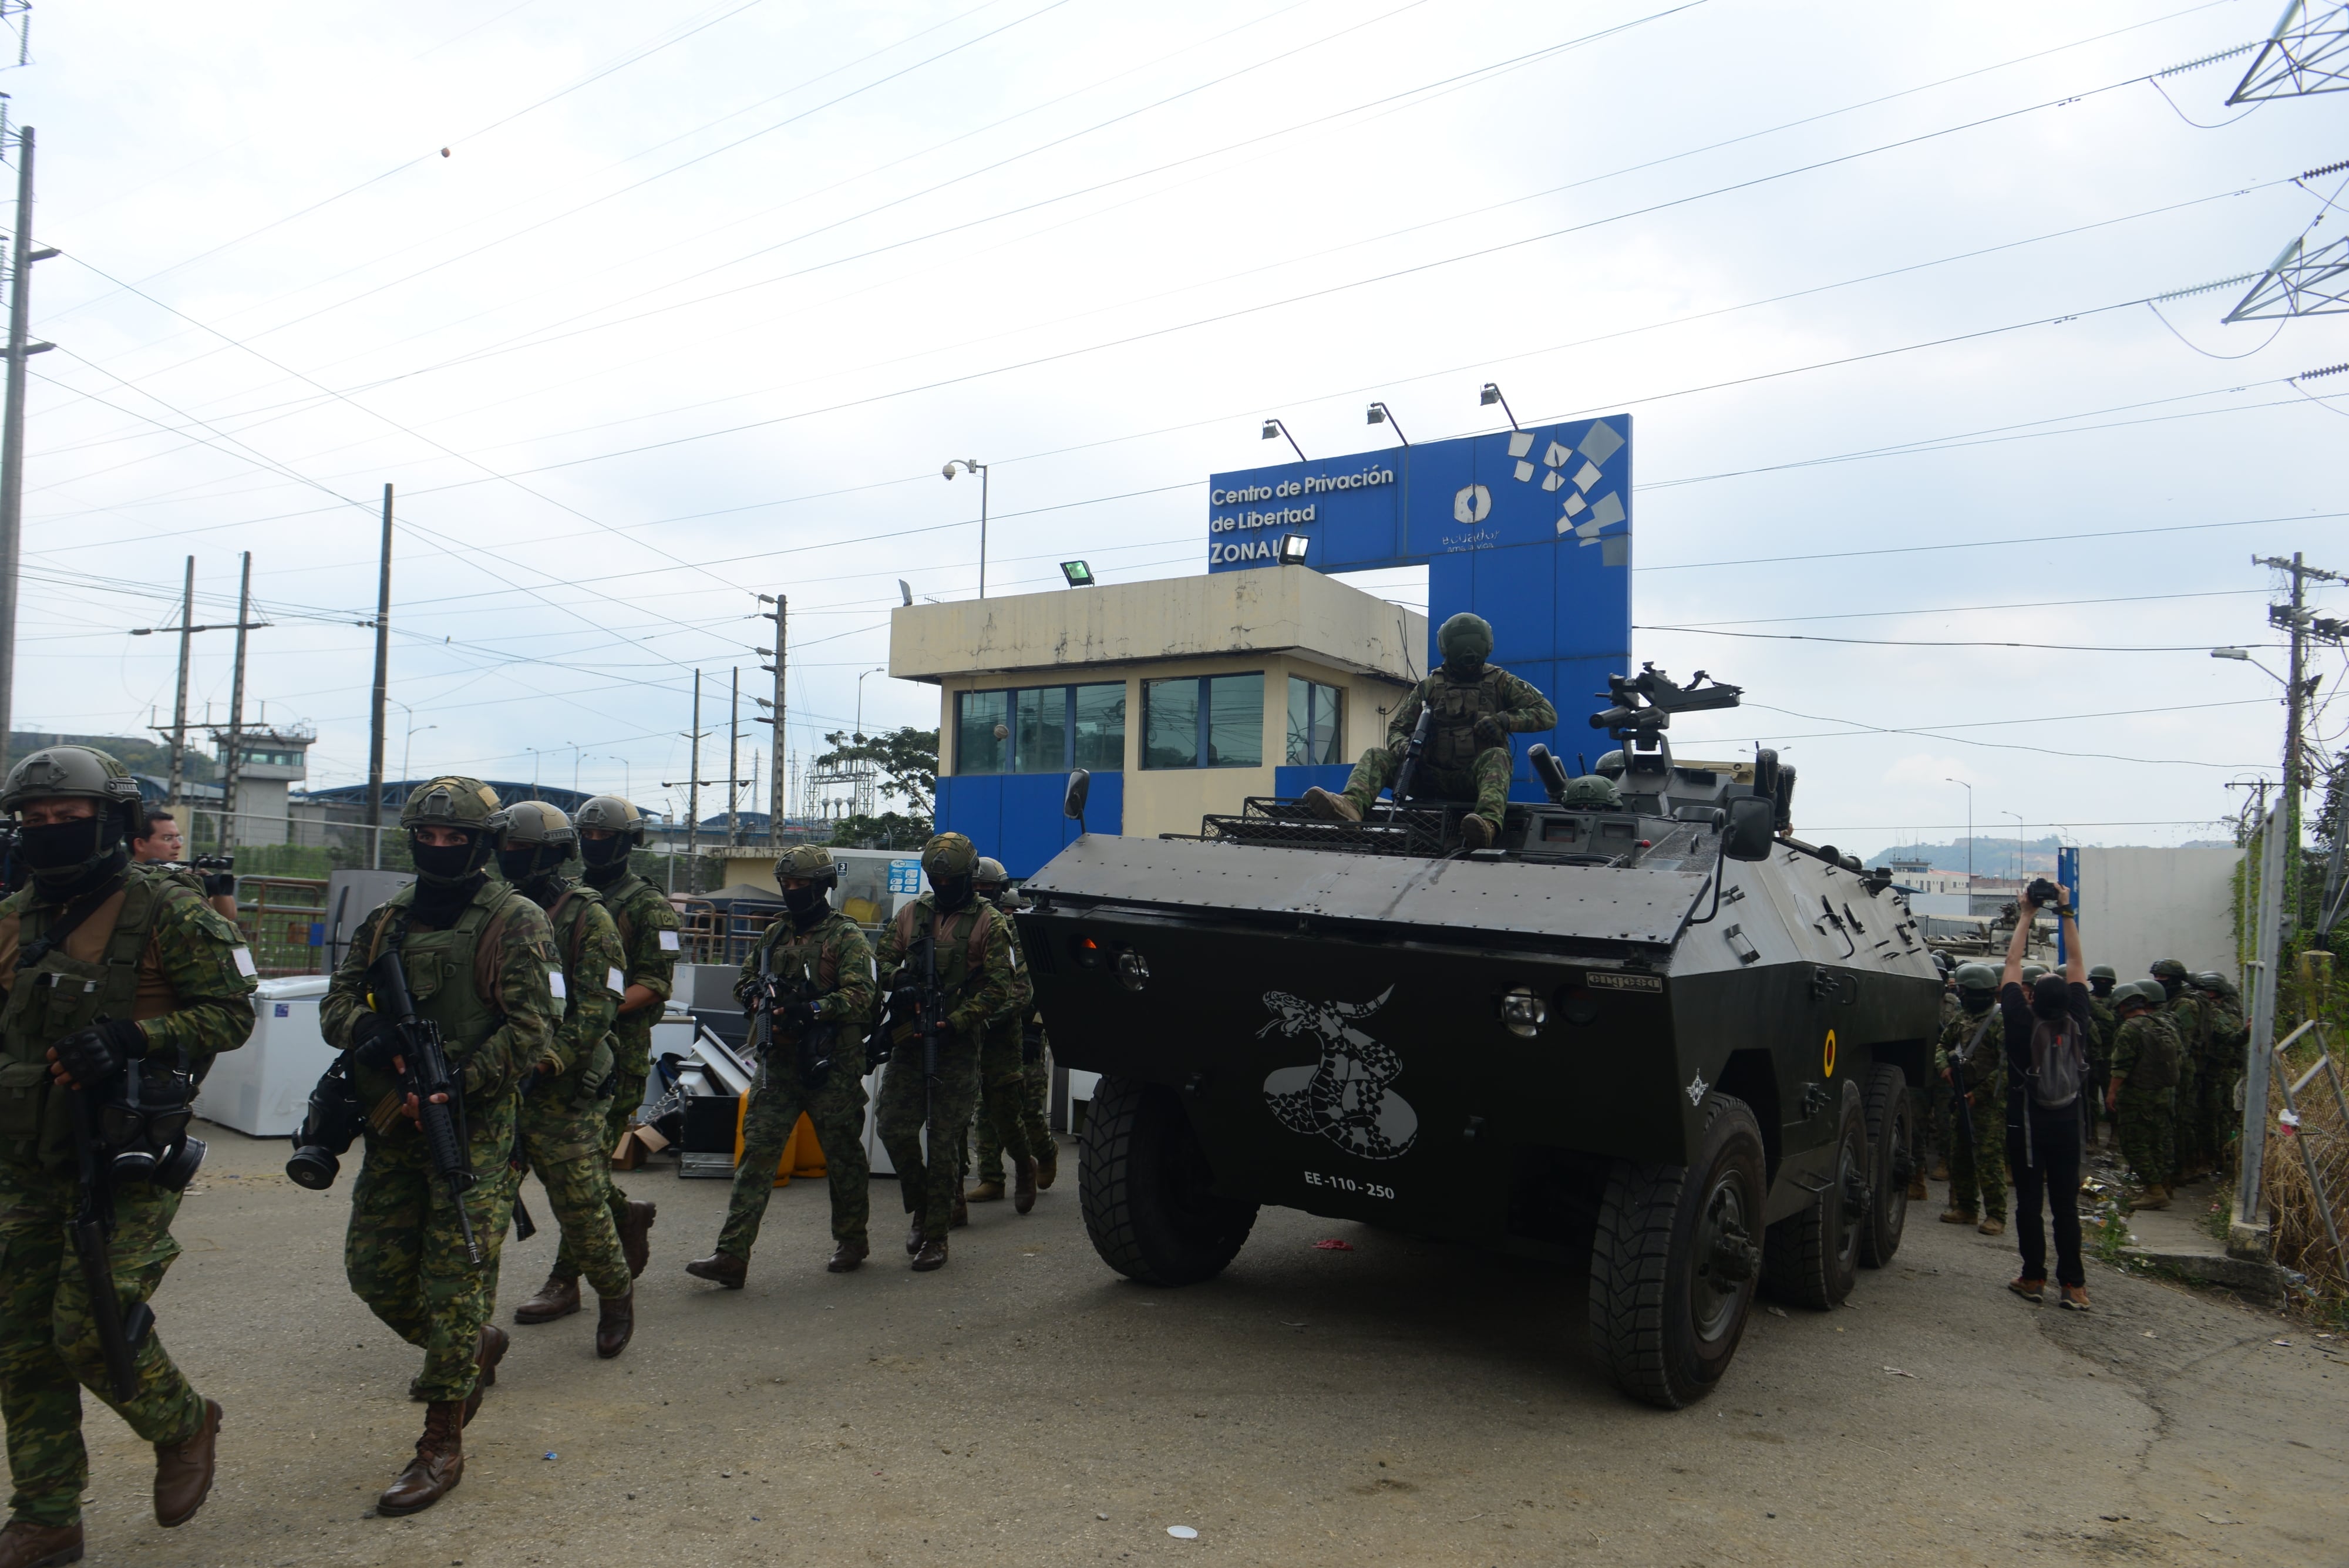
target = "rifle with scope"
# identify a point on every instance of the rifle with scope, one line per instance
(1642, 705)
(423, 1067)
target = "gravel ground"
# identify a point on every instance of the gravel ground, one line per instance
(1405, 1401)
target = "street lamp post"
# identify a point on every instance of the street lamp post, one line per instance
(2018, 842)
(1969, 840)
(968, 465)
(414, 730)
(877, 670)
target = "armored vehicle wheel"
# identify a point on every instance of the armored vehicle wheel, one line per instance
(1812, 1258)
(1674, 1264)
(1891, 1139)
(1146, 1191)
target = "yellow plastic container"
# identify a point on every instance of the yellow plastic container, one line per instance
(802, 1152)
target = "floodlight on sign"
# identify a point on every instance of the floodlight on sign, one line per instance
(1080, 576)
(1292, 549)
(1491, 395)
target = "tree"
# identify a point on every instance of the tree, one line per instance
(906, 759)
(890, 830)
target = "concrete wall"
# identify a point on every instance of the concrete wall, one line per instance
(2140, 905)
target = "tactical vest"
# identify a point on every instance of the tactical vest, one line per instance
(453, 978)
(593, 1070)
(1452, 742)
(825, 971)
(51, 1000)
(2157, 1052)
(958, 963)
(615, 899)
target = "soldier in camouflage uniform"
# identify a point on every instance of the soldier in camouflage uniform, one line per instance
(811, 976)
(109, 969)
(1478, 707)
(479, 960)
(2221, 1067)
(2146, 1053)
(2192, 1021)
(609, 827)
(564, 1101)
(1977, 1170)
(979, 985)
(2101, 980)
(1006, 1122)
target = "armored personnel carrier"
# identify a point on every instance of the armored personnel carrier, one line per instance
(1654, 1030)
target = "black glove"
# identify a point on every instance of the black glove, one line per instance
(746, 990)
(219, 882)
(373, 1042)
(796, 1013)
(1490, 731)
(92, 1056)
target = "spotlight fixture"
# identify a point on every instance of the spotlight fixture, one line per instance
(1491, 395)
(1080, 576)
(1273, 427)
(1292, 549)
(1380, 414)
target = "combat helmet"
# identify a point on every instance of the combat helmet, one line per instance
(2103, 972)
(2217, 984)
(950, 861)
(1465, 637)
(608, 813)
(2170, 973)
(809, 863)
(533, 839)
(1611, 765)
(1591, 792)
(63, 853)
(1976, 977)
(990, 878)
(452, 800)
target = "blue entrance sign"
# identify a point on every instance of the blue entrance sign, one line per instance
(1530, 529)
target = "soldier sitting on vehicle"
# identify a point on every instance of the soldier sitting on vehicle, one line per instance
(1475, 707)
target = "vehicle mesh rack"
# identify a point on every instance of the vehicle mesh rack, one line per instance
(1425, 831)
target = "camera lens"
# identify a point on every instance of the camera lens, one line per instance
(313, 1167)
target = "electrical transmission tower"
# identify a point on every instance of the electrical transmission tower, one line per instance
(2303, 55)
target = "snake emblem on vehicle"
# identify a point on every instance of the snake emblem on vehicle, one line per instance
(1343, 1097)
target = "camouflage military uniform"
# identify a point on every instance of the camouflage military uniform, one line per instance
(2219, 1071)
(976, 994)
(1456, 764)
(1977, 1171)
(2190, 1020)
(833, 956)
(647, 927)
(563, 1114)
(485, 982)
(1003, 1124)
(2144, 1051)
(162, 956)
(2107, 1024)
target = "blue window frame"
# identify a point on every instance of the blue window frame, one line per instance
(1041, 728)
(1204, 721)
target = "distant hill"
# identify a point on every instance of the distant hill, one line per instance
(140, 756)
(1991, 856)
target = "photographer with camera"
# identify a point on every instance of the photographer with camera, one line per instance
(122, 985)
(158, 842)
(2047, 1028)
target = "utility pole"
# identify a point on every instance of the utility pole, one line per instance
(733, 754)
(179, 701)
(382, 689)
(229, 835)
(20, 256)
(777, 792)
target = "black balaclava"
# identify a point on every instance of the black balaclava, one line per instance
(2100, 988)
(531, 869)
(1976, 1000)
(2170, 985)
(951, 892)
(447, 875)
(808, 905)
(69, 858)
(2050, 997)
(608, 857)
(1464, 667)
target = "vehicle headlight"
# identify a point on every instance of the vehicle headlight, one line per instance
(1133, 970)
(1523, 1012)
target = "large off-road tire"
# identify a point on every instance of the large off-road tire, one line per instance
(1812, 1258)
(1673, 1263)
(1146, 1191)
(1891, 1142)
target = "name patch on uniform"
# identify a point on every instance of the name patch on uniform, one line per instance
(616, 981)
(555, 984)
(669, 941)
(1609, 980)
(244, 964)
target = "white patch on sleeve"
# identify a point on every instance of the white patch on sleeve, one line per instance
(555, 984)
(244, 964)
(668, 942)
(616, 982)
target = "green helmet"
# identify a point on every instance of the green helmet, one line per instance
(2103, 972)
(949, 856)
(451, 800)
(2167, 969)
(2032, 971)
(1976, 977)
(533, 824)
(1611, 765)
(1591, 792)
(808, 863)
(69, 773)
(1465, 636)
(610, 814)
(2211, 981)
(990, 873)
(2146, 991)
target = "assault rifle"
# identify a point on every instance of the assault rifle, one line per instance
(119, 1333)
(1413, 749)
(774, 995)
(424, 1073)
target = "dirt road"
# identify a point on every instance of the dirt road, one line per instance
(1402, 1402)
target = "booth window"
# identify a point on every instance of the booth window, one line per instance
(1313, 734)
(1044, 728)
(1204, 721)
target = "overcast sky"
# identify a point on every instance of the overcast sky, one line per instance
(699, 299)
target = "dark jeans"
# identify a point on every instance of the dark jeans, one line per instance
(2052, 1171)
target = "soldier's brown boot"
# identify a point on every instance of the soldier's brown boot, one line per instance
(491, 1350)
(1329, 805)
(1994, 1226)
(183, 1471)
(636, 1234)
(1916, 1193)
(438, 1464)
(720, 1268)
(848, 1257)
(559, 1297)
(933, 1255)
(1477, 831)
(1940, 1172)
(1958, 1217)
(1023, 1188)
(1048, 1164)
(2152, 1198)
(23, 1544)
(987, 1192)
(616, 1323)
